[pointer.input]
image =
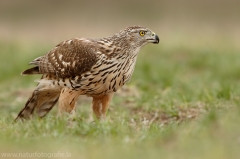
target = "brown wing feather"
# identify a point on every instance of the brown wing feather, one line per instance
(69, 58)
(33, 70)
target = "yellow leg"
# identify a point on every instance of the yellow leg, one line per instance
(67, 101)
(100, 105)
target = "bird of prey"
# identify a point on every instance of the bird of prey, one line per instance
(83, 66)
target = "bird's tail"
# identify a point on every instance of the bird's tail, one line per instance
(41, 102)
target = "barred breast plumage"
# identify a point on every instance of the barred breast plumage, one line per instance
(95, 68)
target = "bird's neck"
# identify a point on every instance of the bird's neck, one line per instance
(126, 45)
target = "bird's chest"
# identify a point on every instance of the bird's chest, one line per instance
(108, 77)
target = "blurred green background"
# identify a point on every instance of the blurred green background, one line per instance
(184, 20)
(183, 99)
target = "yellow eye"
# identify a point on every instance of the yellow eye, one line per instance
(142, 33)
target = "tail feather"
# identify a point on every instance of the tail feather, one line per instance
(27, 111)
(46, 108)
(46, 101)
(41, 102)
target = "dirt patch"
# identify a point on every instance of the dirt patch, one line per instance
(178, 115)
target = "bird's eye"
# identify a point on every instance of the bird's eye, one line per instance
(142, 33)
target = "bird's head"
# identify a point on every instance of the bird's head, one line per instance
(138, 36)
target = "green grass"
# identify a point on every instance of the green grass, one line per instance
(182, 102)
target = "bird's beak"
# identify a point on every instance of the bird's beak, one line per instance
(154, 40)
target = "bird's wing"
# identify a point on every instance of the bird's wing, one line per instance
(69, 58)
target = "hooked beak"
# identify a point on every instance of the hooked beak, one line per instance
(154, 40)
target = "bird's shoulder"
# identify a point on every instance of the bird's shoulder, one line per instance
(75, 47)
(84, 47)
(76, 56)
(70, 57)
